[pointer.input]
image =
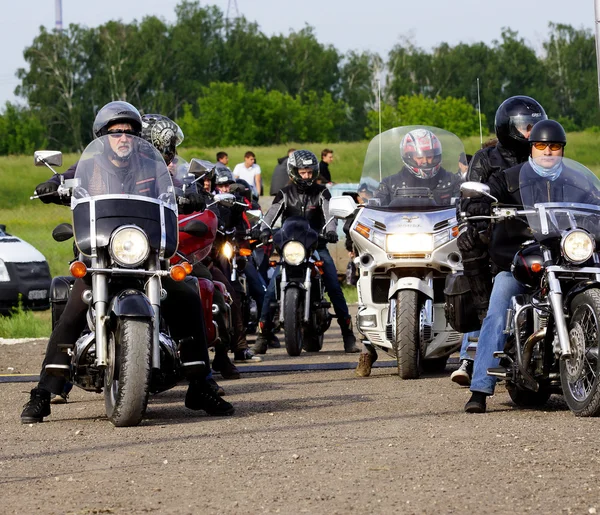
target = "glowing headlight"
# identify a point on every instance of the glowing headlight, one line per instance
(129, 246)
(293, 253)
(227, 250)
(409, 243)
(578, 246)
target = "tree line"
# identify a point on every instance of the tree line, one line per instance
(227, 83)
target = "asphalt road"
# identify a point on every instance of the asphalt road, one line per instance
(303, 442)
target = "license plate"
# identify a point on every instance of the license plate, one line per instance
(37, 294)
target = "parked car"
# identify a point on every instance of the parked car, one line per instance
(24, 272)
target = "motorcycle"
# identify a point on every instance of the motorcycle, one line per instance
(553, 328)
(124, 242)
(300, 289)
(405, 250)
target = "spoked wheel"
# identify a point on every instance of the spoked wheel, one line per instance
(127, 376)
(409, 332)
(579, 375)
(294, 331)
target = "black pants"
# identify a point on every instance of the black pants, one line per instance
(182, 309)
(238, 341)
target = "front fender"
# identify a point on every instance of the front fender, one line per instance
(130, 303)
(409, 283)
(579, 288)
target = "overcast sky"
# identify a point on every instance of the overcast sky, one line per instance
(374, 25)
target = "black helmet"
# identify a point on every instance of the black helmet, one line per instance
(548, 131)
(223, 176)
(117, 112)
(163, 133)
(516, 113)
(299, 160)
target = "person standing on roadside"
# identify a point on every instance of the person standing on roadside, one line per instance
(222, 161)
(326, 160)
(249, 171)
(280, 177)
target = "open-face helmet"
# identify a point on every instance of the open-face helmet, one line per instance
(117, 112)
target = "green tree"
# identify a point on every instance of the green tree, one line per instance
(21, 131)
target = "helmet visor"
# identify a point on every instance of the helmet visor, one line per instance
(520, 126)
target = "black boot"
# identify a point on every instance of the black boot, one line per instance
(201, 396)
(37, 408)
(224, 366)
(476, 403)
(348, 336)
(265, 336)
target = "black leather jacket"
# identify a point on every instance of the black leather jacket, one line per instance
(488, 160)
(444, 185)
(311, 203)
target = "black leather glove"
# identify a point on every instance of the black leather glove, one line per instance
(476, 207)
(255, 233)
(265, 235)
(331, 236)
(48, 191)
(195, 202)
(469, 239)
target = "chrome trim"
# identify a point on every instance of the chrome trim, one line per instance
(129, 271)
(153, 291)
(307, 295)
(100, 292)
(114, 196)
(282, 293)
(163, 234)
(562, 246)
(93, 241)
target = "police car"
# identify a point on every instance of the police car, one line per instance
(24, 273)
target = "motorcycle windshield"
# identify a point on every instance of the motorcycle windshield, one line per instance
(413, 168)
(296, 228)
(560, 194)
(123, 180)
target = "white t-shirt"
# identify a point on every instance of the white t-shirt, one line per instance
(247, 174)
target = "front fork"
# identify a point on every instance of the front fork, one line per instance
(556, 301)
(306, 285)
(153, 292)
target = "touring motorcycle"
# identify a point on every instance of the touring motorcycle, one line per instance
(405, 251)
(553, 328)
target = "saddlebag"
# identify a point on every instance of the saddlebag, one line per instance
(460, 309)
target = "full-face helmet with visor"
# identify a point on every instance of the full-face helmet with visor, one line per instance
(515, 118)
(421, 152)
(302, 160)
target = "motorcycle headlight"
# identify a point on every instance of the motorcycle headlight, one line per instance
(577, 246)
(129, 246)
(408, 243)
(293, 253)
(4, 275)
(227, 250)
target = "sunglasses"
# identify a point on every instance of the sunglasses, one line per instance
(119, 134)
(553, 146)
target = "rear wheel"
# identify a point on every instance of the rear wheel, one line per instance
(579, 375)
(127, 377)
(409, 330)
(293, 310)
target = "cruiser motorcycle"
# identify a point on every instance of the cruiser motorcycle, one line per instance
(405, 250)
(553, 328)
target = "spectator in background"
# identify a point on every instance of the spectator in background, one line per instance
(280, 175)
(249, 171)
(326, 160)
(222, 161)
(463, 165)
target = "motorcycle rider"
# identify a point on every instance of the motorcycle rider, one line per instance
(303, 197)
(121, 122)
(421, 153)
(547, 141)
(514, 120)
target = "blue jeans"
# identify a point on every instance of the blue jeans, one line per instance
(492, 337)
(465, 344)
(256, 284)
(332, 287)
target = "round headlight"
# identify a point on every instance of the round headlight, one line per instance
(578, 246)
(227, 250)
(129, 246)
(294, 253)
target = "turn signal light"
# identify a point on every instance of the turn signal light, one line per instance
(272, 263)
(455, 231)
(177, 273)
(318, 264)
(78, 269)
(187, 267)
(363, 230)
(245, 252)
(536, 267)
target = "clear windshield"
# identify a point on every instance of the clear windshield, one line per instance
(562, 194)
(122, 164)
(412, 167)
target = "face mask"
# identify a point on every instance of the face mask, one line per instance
(547, 173)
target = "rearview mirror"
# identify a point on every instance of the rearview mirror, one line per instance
(47, 158)
(225, 199)
(474, 189)
(254, 215)
(62, 232)
(342, 207)
(195, 228)
(200, 167)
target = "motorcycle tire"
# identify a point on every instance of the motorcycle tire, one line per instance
(127, 377)
(293, 309)
(435, 365)
(528, 398)
(408, 334)
(583, 394)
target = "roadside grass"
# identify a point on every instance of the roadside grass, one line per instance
(26, 324)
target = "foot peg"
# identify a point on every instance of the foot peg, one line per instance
(193, 369)
(59, 370)
(500, 372)
(500, 354)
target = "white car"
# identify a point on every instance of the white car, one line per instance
(24, 273)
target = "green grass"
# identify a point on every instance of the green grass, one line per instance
(26, 324)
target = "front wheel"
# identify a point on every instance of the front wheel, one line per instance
(579, 375)
(293, 310)
(127, 377)
(409, 330)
